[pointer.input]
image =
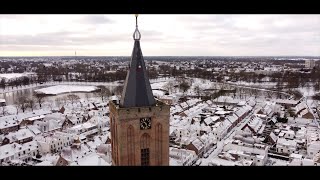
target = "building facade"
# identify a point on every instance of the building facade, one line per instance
(310, 63)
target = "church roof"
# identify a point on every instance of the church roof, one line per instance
(137, 91)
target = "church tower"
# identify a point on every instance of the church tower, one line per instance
(139, 123)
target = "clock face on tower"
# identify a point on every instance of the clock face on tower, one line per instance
(145, 123)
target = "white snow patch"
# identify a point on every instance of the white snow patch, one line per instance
(59, 89)
(13, 75)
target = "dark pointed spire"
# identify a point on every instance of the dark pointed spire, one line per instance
(137, 90)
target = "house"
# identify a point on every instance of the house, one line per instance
(92, 159)
(54, 143)
(2, 102)
(302, 111)
(306, 114)
(226, 159)
(7, 126)
(257, 153)
(316, 159)
(209, 121)
(62, 110)
(254, 126)
(31, 120)
(72, 120)
(169, 99)
(208, 140)
(313, 148)
(47, 126)
(234, 120)
(289, 134)
(23, 152)
(21, 136)
(76, 143)
(287, 103)
(62, 161)
(197, 146)
(181, 157)
(242, 112)
(286, 146)
(85, 129)
(221, 130)
(272, 121)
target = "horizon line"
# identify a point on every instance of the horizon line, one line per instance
(174, 56)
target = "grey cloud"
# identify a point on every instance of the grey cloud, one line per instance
(64, 38)
(12, 17)
(95, 19)
(216, 34)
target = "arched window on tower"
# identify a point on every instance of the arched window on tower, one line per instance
(145, 150)
(130, 142)
(159, 144)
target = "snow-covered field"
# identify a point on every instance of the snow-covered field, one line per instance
(13, 75)
(157, 93)
(158, 85)
(59, 89)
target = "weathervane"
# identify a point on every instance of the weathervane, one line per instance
(136, 20)
(136, 34)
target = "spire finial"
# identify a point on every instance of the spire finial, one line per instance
(136, 19)
(136, 34)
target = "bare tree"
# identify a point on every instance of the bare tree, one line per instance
(73, 98)
(213, 86)
(197, 89)
(22, 103)
(50, 104)
(31, 103)
(39, 97)
(118, 90)
(184, 86)
(104, 92)
(87, 96)
(269, 94)
(316, 97)
(58, 101)
(64, 99)
(297, 94)
(169, 86)
(4, 110)
(17, 106)
(3, 83)
(254, 92)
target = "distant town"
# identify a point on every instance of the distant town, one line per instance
(224, 111)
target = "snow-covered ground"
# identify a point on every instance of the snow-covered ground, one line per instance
(158, 85)
(59, 89)
(157, 93)
(13, 75)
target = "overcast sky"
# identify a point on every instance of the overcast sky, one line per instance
(162, 35)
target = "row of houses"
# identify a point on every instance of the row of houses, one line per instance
(241, 153)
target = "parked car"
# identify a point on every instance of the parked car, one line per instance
(212, 164)
(198, 163)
